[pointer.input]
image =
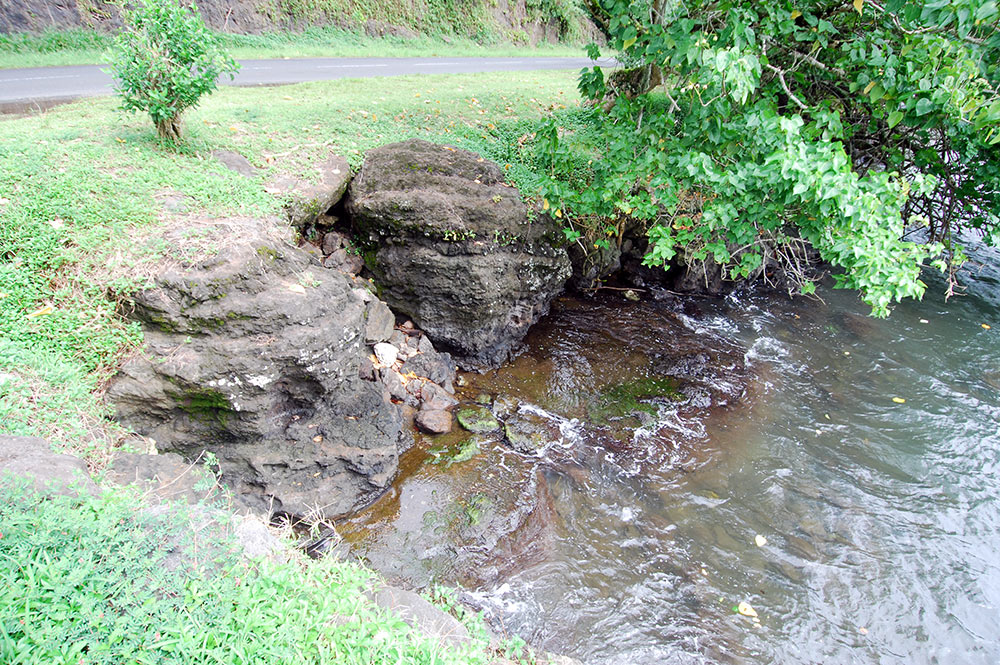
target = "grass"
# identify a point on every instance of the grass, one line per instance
(86, 581)
(92, 205)
(81, 47)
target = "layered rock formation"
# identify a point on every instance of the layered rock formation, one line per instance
(452, 246)
(257, 355)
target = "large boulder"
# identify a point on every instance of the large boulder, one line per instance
(255, 355)
(452, 246)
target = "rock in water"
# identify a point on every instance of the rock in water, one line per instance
(256, 356)
(477, 420)
(453, 248)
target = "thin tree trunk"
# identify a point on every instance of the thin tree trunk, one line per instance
(169, 129)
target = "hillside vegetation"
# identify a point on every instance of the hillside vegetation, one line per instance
(40, 33)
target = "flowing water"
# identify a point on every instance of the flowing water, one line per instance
(865, 452)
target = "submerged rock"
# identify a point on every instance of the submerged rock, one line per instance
(451, 245)
(256, 355)
(477, 420)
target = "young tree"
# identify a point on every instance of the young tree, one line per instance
(164, 60)
(841, 123)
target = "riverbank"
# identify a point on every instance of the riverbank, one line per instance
(156, 566)
(94, 205)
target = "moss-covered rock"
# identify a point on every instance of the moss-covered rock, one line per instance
(633, 397)
(477, 420)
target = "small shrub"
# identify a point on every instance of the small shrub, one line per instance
(164, 60)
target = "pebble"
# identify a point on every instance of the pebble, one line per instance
(386, 353)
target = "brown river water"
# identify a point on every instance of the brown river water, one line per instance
(667, 435)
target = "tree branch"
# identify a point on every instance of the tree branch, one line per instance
(784, 85)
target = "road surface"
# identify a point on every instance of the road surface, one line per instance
(42, 87)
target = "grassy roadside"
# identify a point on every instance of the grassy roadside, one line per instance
(82, 47)
(91, 204)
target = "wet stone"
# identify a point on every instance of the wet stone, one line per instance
(422, 615)
(477, 420)
(424, 345)
(436, 397)
(392, 383)
(521, 441)
(344, 261)
(434, 421)
(379, 321)
(437, 367)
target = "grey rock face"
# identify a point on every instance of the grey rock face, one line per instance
(422, 615)
(256, 356)
(32, 459)
(165, 477)
(454, 249)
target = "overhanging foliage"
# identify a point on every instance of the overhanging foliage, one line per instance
(840, 123)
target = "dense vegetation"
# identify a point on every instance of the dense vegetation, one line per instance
(840, 125)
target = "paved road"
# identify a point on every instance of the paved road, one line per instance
(44, 86)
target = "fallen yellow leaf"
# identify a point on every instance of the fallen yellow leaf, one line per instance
(795, 14)
(985, 326)
(545, 204)
(42, 311)
(745, 609)
(899, 400)
(859, 5)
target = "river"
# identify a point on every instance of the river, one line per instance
(839, 475)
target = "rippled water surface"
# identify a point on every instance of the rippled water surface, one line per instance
(866, 452)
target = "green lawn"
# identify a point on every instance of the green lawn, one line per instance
(80, 47)
(91, 204)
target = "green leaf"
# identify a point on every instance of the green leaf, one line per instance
(894, 118)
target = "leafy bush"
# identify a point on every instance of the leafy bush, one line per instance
(842, 124)
(164, 60)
